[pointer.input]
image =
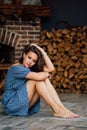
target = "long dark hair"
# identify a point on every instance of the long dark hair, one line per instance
(40, 62)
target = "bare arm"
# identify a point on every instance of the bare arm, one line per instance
(49, 67)
(37, 76)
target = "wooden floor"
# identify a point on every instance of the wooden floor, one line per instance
(44, 120)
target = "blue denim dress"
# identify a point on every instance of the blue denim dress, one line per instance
(15, 98)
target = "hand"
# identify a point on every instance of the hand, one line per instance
(39, 48)
(49, 76)
(33, 44)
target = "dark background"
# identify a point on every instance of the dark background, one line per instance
(72, 11)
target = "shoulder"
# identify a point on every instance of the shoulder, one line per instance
(16, 64)
(18, 70)
(19, 67)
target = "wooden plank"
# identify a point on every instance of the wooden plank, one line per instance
(25, 10)
(4, 66)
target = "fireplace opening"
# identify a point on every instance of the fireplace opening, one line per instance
(6, 54)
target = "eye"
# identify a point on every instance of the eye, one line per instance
(34, 61)
(29, 57)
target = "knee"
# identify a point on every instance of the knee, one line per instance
(39, 82)
(33, 82)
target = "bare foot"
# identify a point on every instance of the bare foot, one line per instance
(66, 114)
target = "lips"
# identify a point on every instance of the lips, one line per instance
(29, 65)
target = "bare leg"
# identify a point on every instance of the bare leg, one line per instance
(34, 87)
(59, 110)
(34, 99)
(53, 93)
(67, 113)
(32, 93)
(44, 92)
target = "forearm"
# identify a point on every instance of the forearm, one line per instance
(48, 62)
(38, 76)
(43, 75)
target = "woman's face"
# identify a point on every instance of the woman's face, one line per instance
(30, 59)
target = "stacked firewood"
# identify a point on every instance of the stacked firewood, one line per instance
(67, 49)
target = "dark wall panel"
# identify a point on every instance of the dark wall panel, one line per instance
(72, 11)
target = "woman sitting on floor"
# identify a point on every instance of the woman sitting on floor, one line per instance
(29, 79)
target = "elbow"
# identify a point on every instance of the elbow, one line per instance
(52, 69)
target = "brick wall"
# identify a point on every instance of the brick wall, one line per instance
(18, 34)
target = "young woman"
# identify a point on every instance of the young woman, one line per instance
(27, 80)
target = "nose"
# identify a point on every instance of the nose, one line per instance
(30, 61)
